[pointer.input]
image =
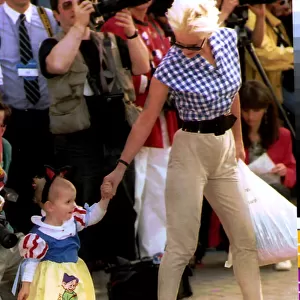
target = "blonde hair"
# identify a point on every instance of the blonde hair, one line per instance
(194, 16)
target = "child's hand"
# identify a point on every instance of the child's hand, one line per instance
(24, 292)
(106, 188)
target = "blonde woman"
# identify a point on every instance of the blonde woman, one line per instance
(202, 73)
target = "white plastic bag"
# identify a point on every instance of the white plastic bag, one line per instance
(274, 219)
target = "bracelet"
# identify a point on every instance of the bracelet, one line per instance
(121, 161)
(133, 36)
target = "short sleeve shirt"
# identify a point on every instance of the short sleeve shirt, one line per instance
(200, 90)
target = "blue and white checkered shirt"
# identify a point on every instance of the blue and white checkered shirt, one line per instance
(200, 90)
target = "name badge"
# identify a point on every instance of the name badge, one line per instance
(1, 76)
(29, 71)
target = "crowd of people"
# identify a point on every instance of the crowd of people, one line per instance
(171, 91)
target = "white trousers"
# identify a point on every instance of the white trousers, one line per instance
(151, 172)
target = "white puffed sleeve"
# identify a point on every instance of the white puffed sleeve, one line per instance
(33, 248)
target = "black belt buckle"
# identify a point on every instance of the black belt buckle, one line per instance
(223, 123)
(220, 128)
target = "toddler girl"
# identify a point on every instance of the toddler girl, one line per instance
(52, 268)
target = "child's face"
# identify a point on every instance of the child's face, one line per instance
(62, 207)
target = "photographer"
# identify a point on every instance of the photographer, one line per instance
(275, 53)
(82, 117)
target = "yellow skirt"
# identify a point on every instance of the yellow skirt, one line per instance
(64, 281)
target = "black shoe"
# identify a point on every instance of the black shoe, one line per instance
(185, 289)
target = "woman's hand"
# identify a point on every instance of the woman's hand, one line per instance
(279, 169)
(113, 180)
(24, 292)
(124, 19)
(240, 151)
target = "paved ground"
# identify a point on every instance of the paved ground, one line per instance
(213, 282)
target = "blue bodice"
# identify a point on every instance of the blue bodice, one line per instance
(60, 251)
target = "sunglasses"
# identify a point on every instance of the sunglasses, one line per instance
(67, 5)
(191, 48)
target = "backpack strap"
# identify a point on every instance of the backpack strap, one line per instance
(107, 43)
(124, 52)
(44, 17)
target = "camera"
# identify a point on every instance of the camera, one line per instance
(239, 16)
(7, 238)
(108, 8)
(160, 7)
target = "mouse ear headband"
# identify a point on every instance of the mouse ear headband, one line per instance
(50, 176)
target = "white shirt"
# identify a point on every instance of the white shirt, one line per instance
(14, 15)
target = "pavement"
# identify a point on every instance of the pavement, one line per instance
(213, 282)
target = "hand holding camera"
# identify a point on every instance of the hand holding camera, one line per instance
(229, 5)
(259, 9)
(82, 13)
(125, 20)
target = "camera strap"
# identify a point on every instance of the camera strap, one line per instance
(281, 39)
(116, 89)
(44, 18)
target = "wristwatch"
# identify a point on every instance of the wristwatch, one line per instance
(133, 36)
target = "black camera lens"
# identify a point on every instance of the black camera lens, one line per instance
(7, 239)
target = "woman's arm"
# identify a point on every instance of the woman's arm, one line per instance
(140, 131)
(237, 128)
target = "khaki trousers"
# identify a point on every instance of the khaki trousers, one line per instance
(205, 164)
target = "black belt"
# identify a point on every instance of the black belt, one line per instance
(218, 126)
